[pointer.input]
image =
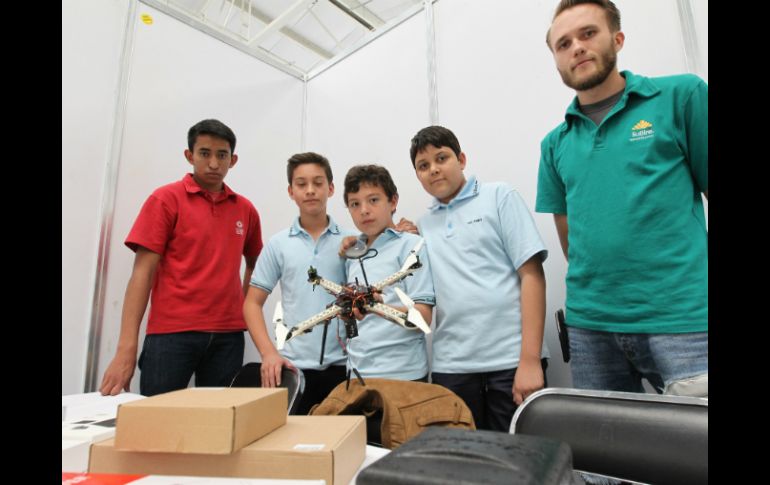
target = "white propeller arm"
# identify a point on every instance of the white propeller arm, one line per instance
(408, 321)
(388, 312)
(330, 286)
(282, 335)
(411, 264)
(394, 278)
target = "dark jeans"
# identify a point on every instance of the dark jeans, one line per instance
(318, 385)
(489, 395)
(169, 360)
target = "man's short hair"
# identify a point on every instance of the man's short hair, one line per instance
(610, 10)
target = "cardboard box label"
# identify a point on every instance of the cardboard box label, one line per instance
(304, 447)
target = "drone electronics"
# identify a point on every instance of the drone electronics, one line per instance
(355, 295)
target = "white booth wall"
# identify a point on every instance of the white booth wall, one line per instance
(178, 76)
(92, 39)
(366, 110)
(497, 89)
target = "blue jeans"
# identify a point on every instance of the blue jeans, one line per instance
(618, 361)
(489, 395)
(169, 360)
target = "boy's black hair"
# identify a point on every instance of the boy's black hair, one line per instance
(375, 175)
(438, 136)
(211, 127)
(308, 157)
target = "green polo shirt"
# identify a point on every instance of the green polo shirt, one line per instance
(630, 187)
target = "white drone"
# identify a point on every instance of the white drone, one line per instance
(354, 295)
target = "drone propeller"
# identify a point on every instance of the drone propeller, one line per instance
(412, 258)
(281, 331)
(413, 315)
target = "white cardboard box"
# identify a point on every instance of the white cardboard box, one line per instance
(93, 428)
(74, 455)
(79, 406)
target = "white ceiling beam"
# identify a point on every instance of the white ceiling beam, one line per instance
(226, 36)
(370, 37)
(358, 9)
(287, 16)
(288, 32)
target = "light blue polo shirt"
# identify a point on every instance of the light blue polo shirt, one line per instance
(286, 259)
(477, 242)
(383, 348)
(630, 187)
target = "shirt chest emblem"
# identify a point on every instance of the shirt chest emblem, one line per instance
(642, 130)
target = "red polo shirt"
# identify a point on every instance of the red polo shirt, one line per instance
(198, 282)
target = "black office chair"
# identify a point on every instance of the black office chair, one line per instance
(645, 438)
(250, 376)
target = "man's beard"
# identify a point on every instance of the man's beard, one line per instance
(608, 61)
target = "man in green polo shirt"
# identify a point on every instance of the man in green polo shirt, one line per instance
(623, 176)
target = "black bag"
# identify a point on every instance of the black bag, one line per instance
(446, 455)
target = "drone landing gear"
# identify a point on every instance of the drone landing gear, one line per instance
(323, 342)
(351, 330)
(358, 376)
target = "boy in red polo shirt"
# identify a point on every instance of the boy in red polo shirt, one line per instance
(189, 238)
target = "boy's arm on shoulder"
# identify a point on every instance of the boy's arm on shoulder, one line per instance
(121, 369)
(405, 225)
(529, 375)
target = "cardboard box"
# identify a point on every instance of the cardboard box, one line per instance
(308, 447)
(110, 479)
(200, 420)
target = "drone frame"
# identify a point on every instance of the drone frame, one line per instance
(362, 297)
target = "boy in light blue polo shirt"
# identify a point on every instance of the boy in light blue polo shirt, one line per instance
(382, 348)
(313, 239)
(489, 282)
